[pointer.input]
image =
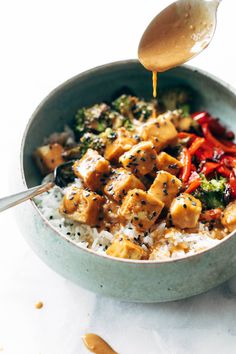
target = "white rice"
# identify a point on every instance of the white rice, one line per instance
(168, 244)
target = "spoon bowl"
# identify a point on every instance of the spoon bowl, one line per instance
(61, 176)
(180, 32)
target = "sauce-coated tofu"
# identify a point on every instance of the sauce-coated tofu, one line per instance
(81, 205)
(165, 187)
(185, 211)
(141, 159)
(120, 182)
(141, 209)
(160, 131)
(92, 169)
(168, 163)
(120, 145)
(229, 216)
(123, 248)
(48, 157)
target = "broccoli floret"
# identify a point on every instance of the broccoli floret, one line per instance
(211, 193)
(131, 108)
(94, 119)
(88, 140)
(143, 110)
(185, 108)
(175, 98)
(125, 105)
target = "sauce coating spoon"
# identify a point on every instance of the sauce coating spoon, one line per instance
(180, 32)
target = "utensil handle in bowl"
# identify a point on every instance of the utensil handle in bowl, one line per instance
(15, 199)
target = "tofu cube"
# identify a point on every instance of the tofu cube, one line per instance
(160, 131)
(228, 218)
(92, 168)
(185, 211)
(48, 157)
(82, 206)
(120, 182)
(141, 159)
(141, 209)
(120, 145)
(165, 187)
(168, 163)
(123, 248)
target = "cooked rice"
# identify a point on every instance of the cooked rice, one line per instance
(169, 243)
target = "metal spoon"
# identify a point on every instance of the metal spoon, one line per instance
(61, 176)
(177, 34)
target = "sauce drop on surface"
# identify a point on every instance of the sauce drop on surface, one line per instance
(154, 83)
(39, 305)
(177, 34)
(96, 344)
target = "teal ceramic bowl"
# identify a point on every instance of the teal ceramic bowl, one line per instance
(136, 281)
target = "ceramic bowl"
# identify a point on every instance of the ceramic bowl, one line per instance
(136, 281)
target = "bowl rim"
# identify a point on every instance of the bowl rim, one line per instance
(58, 232)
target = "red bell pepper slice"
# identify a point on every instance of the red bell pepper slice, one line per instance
(214, 125)
(193, 186)
(186, 162)
(224, 171)
(215, 142)
(232, 183)
(198, 142)
(209, 167)
(228, 161)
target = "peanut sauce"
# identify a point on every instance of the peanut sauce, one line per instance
(154, 83)
(175, 35)
(96, 344)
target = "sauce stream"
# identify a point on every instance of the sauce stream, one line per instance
(154, 83)
(96, 344)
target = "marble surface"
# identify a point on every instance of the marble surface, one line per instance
(42, 45)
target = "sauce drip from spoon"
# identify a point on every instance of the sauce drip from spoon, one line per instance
(177, 34)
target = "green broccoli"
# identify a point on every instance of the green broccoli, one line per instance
(211, 193)
(94, 119)
(90, 141)
(125, 105)
(143, 110)
(131, 108)
(175, 98)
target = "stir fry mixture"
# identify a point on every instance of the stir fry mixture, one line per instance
(140, 166)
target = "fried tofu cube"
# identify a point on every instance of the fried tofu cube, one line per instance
(168, 163)
(160, 131)
(82, 206)
(92, 168)
(165, 187)
(120, 145)
(228, 218)
(185, 211)
(141, 209)
(120, 182)
(123, 248)
(141, 159)
(48, 157)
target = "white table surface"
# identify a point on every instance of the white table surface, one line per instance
(42, 44)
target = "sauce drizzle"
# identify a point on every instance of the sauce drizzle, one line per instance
(96, 344)
(154, 83)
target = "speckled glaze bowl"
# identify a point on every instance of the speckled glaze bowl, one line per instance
(136, 281)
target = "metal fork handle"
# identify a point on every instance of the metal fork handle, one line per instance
(15, 199)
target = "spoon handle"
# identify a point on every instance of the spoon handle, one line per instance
(14, 199)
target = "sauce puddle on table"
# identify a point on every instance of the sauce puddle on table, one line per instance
(96, 344)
